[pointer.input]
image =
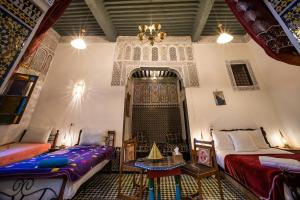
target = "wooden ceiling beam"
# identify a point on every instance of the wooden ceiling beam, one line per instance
(202, 16)
(147, 1)
(158, 19)
(189, 9)
(102, 17)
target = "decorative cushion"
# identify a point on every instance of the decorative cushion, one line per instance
(204, 156)
(258, 139)
(242, 141)
(129, 153)
(37, 135)
(92, 138)
(53, 162)
(222, 140)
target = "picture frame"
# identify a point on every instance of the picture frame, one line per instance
(219, 98)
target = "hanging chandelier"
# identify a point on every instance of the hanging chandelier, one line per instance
(151, 33)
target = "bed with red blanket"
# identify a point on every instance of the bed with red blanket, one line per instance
(238, 153)
(266, 182)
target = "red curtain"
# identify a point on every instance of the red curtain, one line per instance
(52, 15)
(263, 28)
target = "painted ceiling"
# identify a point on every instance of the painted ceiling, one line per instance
(112, 18)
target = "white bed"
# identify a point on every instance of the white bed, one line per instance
(245, 142)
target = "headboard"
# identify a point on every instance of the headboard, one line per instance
(79, 137)
(246, 129)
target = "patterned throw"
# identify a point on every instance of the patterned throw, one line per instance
(80, 160)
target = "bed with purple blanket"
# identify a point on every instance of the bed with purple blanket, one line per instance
(55, 175)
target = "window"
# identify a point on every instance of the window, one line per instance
(241, 75)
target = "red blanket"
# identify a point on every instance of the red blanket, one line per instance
(247, 170)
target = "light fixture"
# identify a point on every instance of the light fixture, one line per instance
(79, 43)
(151, 33)
(284, 141)
(223, 36)
(78, 89)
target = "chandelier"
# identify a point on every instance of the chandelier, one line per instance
(151, 33)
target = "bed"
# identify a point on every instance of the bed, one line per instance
(20, 151)
(27, 180)
(245, 168)
(33, 142)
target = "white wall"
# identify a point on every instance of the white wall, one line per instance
(283, 82)
(244, 109)
(101, 106)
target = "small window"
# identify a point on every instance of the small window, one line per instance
(241, 75)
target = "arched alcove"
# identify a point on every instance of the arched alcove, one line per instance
(156, 111)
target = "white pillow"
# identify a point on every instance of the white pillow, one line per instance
(259, 139)
(222, 140)
(37, 135)
(242, 141)
(88, 138)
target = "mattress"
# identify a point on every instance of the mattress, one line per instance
(21, 151)
(221, 154)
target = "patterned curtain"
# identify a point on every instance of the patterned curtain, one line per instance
(261, 25)
(52, 15)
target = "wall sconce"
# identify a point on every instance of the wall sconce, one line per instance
(284, 141)
(79, 89)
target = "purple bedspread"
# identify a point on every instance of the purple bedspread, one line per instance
(80, 160)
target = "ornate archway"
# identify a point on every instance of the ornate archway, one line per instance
(156, 111)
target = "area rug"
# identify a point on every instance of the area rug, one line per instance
(105, 187)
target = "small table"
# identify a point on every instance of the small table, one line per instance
(156, 169)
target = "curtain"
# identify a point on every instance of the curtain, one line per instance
(52, 15)
(263, 28)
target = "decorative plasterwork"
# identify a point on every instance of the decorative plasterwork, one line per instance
(38, 64)
(174, 52)
(251, 73)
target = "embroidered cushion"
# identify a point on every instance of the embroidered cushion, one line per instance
(129, 153)
(204, 156)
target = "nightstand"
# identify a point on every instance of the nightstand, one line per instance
(290, 149)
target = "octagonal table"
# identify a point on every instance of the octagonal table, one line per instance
(156, 169)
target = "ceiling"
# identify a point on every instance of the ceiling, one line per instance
(112, 18)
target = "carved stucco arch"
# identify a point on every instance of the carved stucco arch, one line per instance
(184, 65)
(179, 75)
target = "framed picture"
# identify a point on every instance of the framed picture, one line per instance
(110, 139)
(219, 98)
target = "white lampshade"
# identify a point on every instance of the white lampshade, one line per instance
(78, 43)
(224, 38)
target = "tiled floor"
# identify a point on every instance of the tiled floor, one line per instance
(105, 187)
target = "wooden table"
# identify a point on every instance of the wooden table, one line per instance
(165, 167)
